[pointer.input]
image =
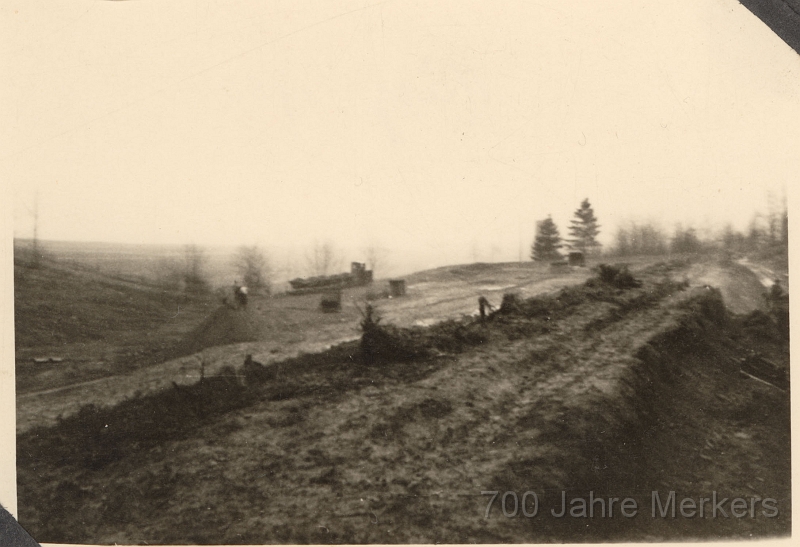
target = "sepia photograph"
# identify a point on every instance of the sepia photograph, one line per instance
(398, 272)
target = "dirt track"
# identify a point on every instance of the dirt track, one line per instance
(286, 326)
(395, 458)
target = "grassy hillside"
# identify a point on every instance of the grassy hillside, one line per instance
(96, 324)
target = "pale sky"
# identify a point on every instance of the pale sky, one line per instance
(440, 125)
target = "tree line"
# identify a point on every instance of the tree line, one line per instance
(253, 267)
(766, 235)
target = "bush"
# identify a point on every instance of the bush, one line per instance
(511, 303)
(256, 373)
(617, 276)
(381, 344)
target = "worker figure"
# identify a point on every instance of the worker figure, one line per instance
(483, 306)
(241, 296)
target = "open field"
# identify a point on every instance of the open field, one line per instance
(588, 387)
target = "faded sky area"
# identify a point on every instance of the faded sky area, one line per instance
(437, 126)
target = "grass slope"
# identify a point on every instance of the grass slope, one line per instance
(97, 324)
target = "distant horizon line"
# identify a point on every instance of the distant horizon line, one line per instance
(18, 239)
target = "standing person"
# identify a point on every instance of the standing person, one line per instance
(235, 302)
(242, 294)
(484, 306)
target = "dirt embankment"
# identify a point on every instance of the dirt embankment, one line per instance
(617, 392)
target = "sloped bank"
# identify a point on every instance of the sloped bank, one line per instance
(586, 436)
(680, 418)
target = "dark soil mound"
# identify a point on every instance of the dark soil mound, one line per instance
(225, 326)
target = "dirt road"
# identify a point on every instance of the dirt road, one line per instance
(291, 325)
(741, 287)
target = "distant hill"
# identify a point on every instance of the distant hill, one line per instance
(140, 263)
(75, 324)
(58, 304)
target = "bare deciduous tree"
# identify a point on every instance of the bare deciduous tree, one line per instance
(195, 263)
(640, 238)
(252, 265)
(376, 257)
(685, 240)
(324, 259)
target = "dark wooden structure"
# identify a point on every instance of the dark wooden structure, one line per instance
(577, 258)
(331, 302)
(358, 276)
(397, 287)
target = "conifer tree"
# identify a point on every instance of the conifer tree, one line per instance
(547, 242)
(583, 229)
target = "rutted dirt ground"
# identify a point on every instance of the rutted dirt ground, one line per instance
(284, 327)
(620, 395)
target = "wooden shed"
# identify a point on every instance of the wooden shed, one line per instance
(397, 287)
(577, 258)
(331, 302)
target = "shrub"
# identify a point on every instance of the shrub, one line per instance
(381, 344)
(256, 373)
(511, 303)
(617, 276)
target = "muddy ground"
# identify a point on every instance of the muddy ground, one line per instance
(121, 340)
(617, 392)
